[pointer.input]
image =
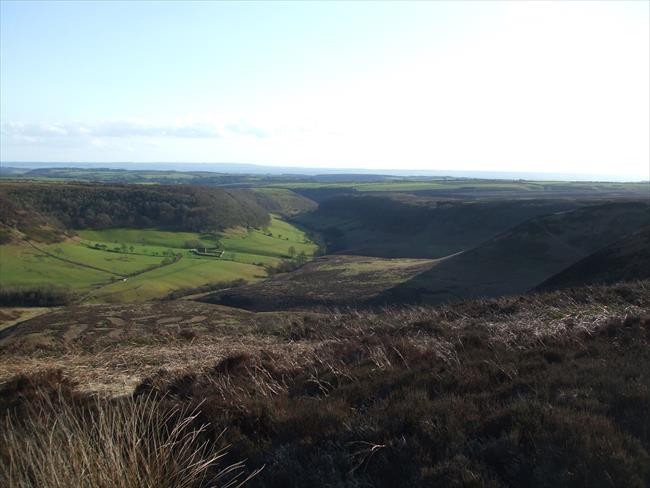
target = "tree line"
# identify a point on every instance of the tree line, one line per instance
(98, 206)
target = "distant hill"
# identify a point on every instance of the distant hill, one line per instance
(257, 169)
(97, 206)
(625, 260)
(525, 256)
(417, 227)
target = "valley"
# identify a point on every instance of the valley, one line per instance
(141, 264)
(314, 323)
(394, 244)
(324, 244)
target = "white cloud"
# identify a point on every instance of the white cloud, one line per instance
(109, 129)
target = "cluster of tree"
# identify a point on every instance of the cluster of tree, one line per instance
(14, 215)
(190, 208)
(5, 236)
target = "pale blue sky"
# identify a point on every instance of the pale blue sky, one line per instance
(514, 86)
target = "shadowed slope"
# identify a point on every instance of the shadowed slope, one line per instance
(626, 259)
(525, 256)
(403, 225)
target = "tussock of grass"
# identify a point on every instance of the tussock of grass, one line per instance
(60, 440)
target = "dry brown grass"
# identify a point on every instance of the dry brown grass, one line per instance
(130, 444)
(115, 366)
(116, 371)
(520, 391)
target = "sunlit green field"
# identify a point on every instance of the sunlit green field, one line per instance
(23, 266)
(146, 237)
(244, 257)
(154, 262)
(282, 237)
(186, 273)
(114, 262)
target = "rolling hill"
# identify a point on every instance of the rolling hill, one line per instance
(525, 256)
(513, 262)
(625, 260)
(402, 225)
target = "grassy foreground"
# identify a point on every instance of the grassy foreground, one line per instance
(129, 444)
(532, 391)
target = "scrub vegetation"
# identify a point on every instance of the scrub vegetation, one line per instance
(519, 391)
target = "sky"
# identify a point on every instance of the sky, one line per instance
(489, 86)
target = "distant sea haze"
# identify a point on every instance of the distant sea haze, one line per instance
(242, 168)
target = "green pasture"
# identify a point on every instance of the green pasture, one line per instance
(114, 262)
(274, 241)
(186, 273)
(265, 246)
(131, 248)
(247, 258)
(146, 237)
(131, 251)
(24, 266)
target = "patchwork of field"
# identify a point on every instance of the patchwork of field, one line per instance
(475, 185)
(113, 262)
(277, 186)
(118, 265)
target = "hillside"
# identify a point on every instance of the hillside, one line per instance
(328, 281)
(17, 220)
(283, 202)
(525, 256)
(96, 206)
(534, 390)
(625, 260)
(62, 242)
(402, 225)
